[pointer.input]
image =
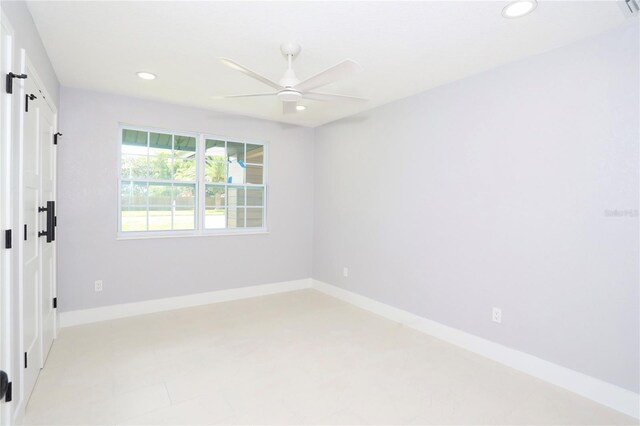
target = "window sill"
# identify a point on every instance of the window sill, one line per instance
(171, 234)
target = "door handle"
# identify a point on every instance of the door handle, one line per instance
(4, 384)
(50, 232)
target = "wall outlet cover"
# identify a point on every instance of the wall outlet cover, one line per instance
(496, 315)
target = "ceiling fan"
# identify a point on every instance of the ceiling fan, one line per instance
(290, 90)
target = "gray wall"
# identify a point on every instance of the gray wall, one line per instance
(136, 270)
(493, 191)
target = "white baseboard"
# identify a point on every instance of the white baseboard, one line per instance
(612, 396)
(85, 316)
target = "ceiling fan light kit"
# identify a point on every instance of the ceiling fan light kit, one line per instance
(290, 90)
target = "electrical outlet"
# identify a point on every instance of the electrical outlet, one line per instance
(497, 315)
(345, 272)
(98, 285)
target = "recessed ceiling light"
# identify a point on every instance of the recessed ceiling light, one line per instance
(300, 107)
(146, 75)
(519, 8)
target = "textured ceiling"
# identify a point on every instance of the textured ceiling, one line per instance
(404, 47)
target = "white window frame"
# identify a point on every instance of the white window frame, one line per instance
(200, 202)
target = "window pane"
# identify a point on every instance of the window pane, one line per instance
(214, 148)
(235, 151)
(255, 154)
(160, 195)
(236, 172)
(254, 217)
(235, 217)
(215, 171)
(133, 194)
(184, 219)
(159, 218)
(184, 169)
(255, 196)
(160, 167)
(254, 174)
(134, 150)
(215, 218)
(134, 166)
(184, 196)
(160, 207)
(134, 206)
(235, 196)
(134, 218)
(184, 213)
(160, 143)
(215, 196)
(134, 142)
(184, 147)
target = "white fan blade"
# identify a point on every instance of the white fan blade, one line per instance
(236, 66)
(337, 72)
(331, 97)
(289, 107)
(248, 95)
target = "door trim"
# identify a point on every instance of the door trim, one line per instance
(7, 200)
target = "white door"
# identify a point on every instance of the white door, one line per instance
(46, 127)
(38, 192)
(31, 257)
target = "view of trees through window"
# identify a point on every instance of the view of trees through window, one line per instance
(160, 182)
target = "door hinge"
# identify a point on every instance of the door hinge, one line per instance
(633, 6)
(28, 98)
(25, 232)
(10, 78)
(8, 396)
(55, 137)
(55, 302)
(25, 360)
(7, 239)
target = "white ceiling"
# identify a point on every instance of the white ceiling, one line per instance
(404, 47)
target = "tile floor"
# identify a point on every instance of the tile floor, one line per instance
(293, 358)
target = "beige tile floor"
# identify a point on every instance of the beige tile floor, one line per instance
(293, 358)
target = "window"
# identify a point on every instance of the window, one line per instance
(179, 183)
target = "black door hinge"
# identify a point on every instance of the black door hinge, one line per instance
(25, 360)
(633, 5)
(8, 396)
(26, 101)
(55, 138)
(55, 302)
(7, 239)
(25, 232)
(10, 78)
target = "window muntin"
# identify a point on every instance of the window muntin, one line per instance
(162, 174)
